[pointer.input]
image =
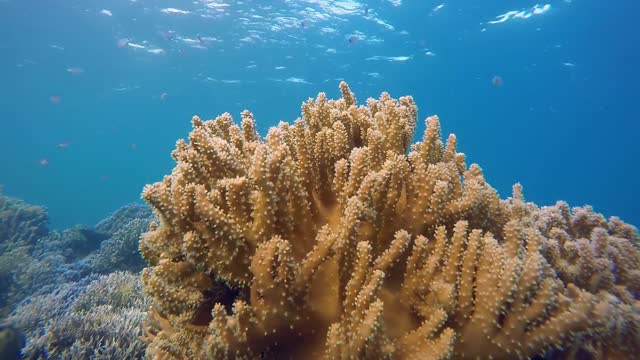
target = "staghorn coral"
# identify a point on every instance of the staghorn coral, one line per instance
(33, 313)
(21, 225)
(330, 238)
(71, 254)
(120, 251)
(73, 243)
(594, 254)
(83, 319)
(11, 341)
(122, 217)
(591, 252)
(97, 318)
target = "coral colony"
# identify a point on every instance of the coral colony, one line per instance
(71, 294)
(334, 237)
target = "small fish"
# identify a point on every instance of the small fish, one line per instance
(497, 81)
(163, 96)
(56, 99)
(135, 46)
(133, 146)
(437, 8)
(124, 87)
(166, 35)
(104, 177)
(75, 70)
(156, 51)
(122, 42)
(62, 146)
(352, 39)
(106, 12)
(43, 162)
(366, 10)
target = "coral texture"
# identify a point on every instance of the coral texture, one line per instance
(11, 341)
(122, 217)
(21, 225)
(335, 238)
(97, 318)
(120, 251)
(71, 254)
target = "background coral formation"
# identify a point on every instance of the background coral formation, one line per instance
(21, 225)
(53, 287)
(72, 254)
(333, 237)
(96, 318)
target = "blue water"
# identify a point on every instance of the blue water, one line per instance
(564, 122)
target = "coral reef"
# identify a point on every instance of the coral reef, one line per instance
(73, 243)
(11, 340)
(60, 303)
(123, 216)
(21, 225)
(120, 251)
(596, 255)
(333, 237)
(71, 254)
(97, 318)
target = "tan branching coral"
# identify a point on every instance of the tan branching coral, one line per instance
(595, 255)
(330, 238)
